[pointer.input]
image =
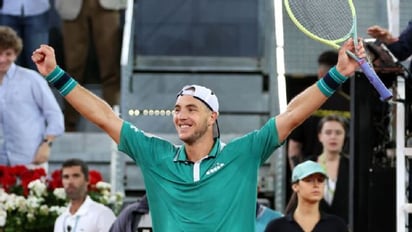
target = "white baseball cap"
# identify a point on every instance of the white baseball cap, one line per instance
(206, 96)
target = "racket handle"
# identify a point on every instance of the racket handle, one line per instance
(373, 78)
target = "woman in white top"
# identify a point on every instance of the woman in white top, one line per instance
(332, 134)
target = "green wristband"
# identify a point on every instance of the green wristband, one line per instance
(59, 79)
(331, 82)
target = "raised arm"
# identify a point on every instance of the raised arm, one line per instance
(85, 102)
(305, 103)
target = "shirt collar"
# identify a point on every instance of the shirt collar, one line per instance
(290, 218)
(182, 157)
(83, 208)
(11, 70)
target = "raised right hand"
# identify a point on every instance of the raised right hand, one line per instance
(45, 59)
(346, 65)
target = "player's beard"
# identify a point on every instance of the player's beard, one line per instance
(197, 134)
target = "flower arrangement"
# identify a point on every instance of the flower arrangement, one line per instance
(30, 201)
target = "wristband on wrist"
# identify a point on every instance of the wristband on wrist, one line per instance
(59, 79)
(330, 82)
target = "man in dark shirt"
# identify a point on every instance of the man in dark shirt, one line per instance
(131, 218)
(401, 47)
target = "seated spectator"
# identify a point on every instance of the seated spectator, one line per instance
(264, 215)
(135, 217)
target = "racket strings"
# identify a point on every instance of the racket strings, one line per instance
(327, 19)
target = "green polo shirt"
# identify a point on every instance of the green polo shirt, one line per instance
(217, 193)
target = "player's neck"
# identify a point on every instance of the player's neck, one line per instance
(198, 150)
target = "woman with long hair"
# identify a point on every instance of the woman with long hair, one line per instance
(303, 213)
(332, 134)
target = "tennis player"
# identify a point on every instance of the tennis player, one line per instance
(203, 185)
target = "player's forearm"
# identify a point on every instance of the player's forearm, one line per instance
(313, 97)
(305, 103)
(86, 103)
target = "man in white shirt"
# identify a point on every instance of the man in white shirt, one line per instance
(82, 214)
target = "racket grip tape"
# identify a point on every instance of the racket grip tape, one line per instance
(376, 82)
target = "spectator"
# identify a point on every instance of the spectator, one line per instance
(264, 215)
(331, 133)
(87, 23)
(303, 142)
(133, 217)
(82, 214)
(30, 19)
(303, 213)
(202, 185)
(401, 47)
(30, 117)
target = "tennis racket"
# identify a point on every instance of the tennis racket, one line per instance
(332, 22)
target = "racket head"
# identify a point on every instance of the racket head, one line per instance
(328, 21)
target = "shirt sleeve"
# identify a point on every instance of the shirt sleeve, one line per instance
(402, 49)
(105, 220)
(143, 148)
(49, 107)
(261, 143)
(58, 225)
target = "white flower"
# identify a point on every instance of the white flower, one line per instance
(33, 202)
(13, 202)
(30, 216)
(57, 209)
(101, 185)
(105, 192)
(10, 202)
(112, 199)
(20, 203)
(59, 193)
(37, 188)
(119, 196)
(3, 196)
(44, 210)
(3, 217)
